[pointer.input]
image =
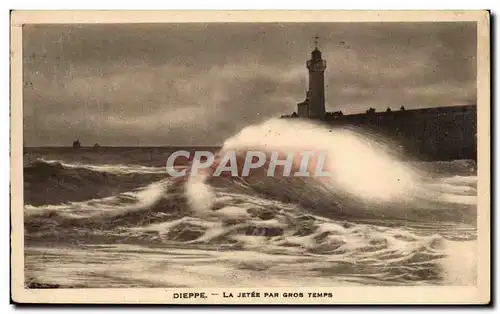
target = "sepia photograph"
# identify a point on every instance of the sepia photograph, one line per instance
(263, 157)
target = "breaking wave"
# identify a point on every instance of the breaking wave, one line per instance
(376, 219)
(113, 169)
(53, 182)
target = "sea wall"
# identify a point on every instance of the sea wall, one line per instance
(446, 133)
(432, 134)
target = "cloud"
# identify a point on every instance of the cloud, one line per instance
(197, 84)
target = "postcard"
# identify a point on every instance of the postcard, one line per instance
(250, 157)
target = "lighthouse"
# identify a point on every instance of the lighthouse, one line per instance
(314, 105)
(316, 66)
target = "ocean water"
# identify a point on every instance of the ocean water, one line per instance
(113, 217)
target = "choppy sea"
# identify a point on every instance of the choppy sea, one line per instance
(112, 217)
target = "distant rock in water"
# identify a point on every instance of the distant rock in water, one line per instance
(76, 144)
(96, 146)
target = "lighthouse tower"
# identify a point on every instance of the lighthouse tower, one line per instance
(316, 66)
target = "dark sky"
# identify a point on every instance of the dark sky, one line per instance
(197, 84)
